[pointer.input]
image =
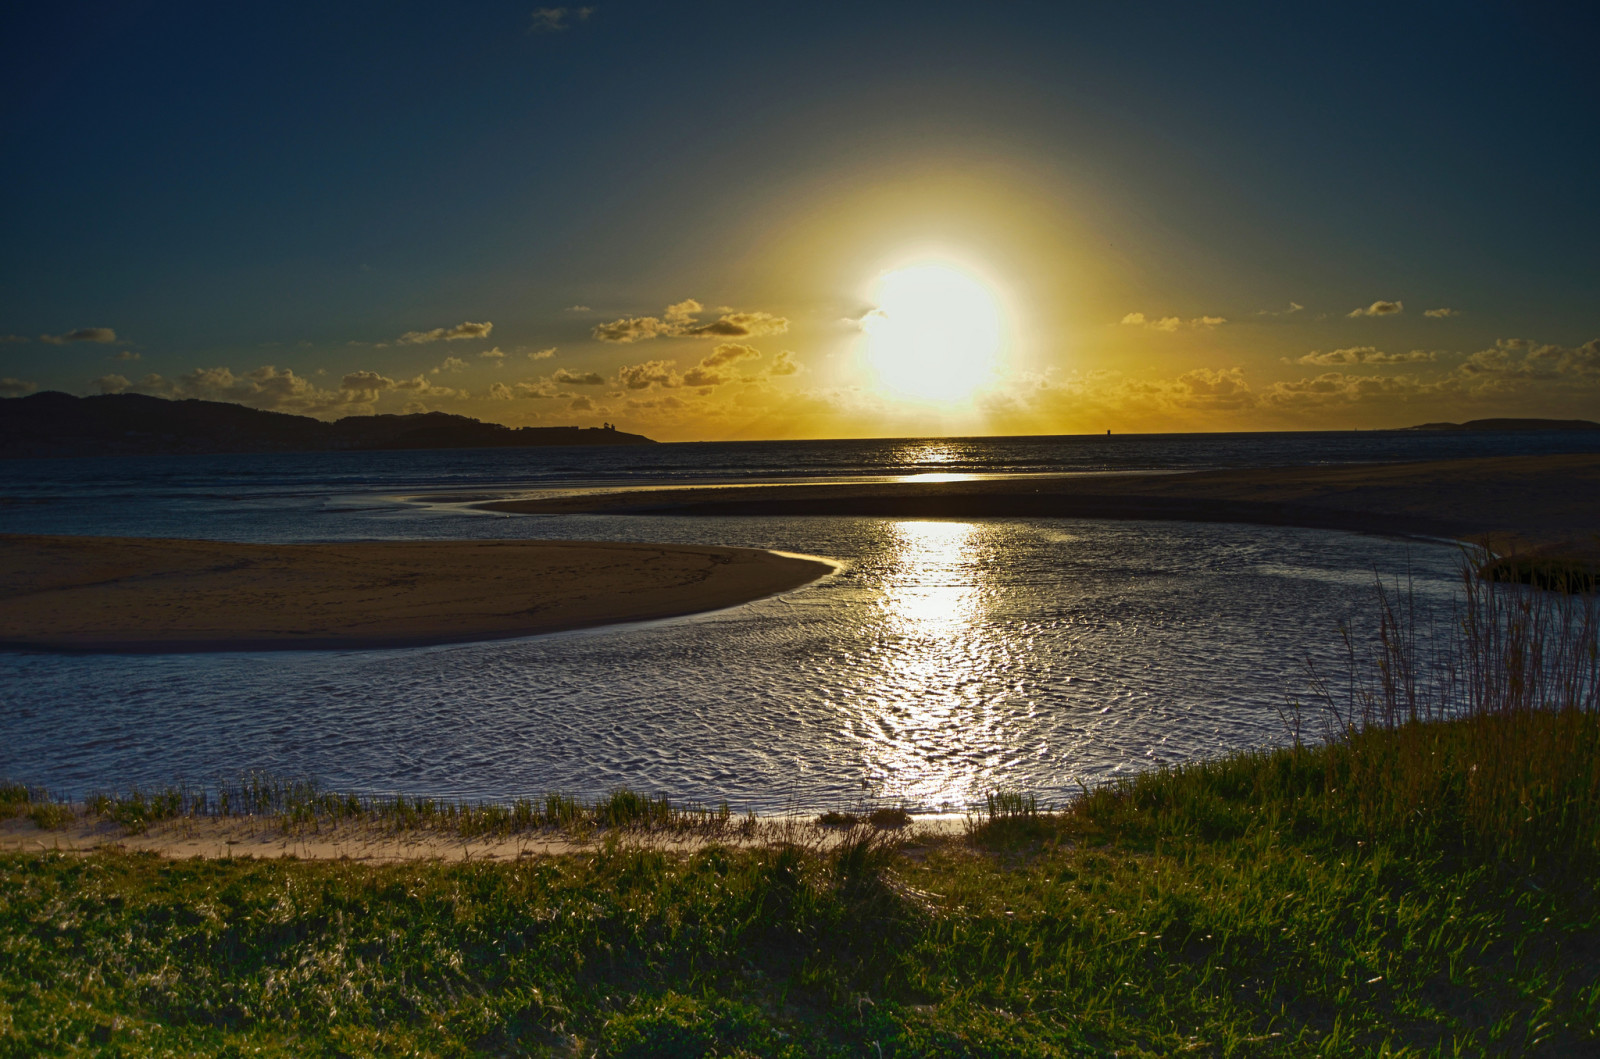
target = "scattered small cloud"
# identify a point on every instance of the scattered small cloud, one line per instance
(582, 404)
(579, 309)
(1333, 387)
(464, 330)
(784, 364)
(1441, 314)
(1522, 358)
(496, 354)
(1294, 307)
(366, 382)
(10, 387)
(1170, 324)
(709, 372)
(577, 378)
(681, 320)
(1379, 308)
(111, 383)
(499, 391)
(1366, 355)
(82, 334)
(15, 338)
(650, 373)
(542, 354)
(557, 19)
(451, 364)
(125, 354)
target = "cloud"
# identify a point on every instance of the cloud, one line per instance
(266, 387)
(542, 354)
(451, 364)
(681, 320)
(1293, 308)
(1522, 358)
(125, 354)
(1366, 355)
(499, 391)
(1379, 308)
(1170, 324)
(540, 389)
(82, 334)
(557, 19)
(494, 354)
(650, 373)
(421, 385)
(579, 309)
(784, 364)
(582, 404)
(464, 330)
(10, 387)
(15, 338)
(111, 383)
(1440, 314)
(366, 382)
(1335, 387)
(578, 378)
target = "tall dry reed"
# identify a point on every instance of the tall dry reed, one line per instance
(1485, 723)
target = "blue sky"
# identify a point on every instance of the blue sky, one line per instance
(259, 203)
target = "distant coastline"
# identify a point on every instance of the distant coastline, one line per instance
(55, 424)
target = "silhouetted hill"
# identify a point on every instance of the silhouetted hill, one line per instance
(59, 424)
(1512, 424)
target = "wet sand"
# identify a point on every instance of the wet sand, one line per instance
(1551, 503)
(148, 595)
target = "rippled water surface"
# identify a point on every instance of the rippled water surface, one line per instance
(945, 659)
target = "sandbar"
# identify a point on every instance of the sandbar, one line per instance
(1513, 502)
(152, 595)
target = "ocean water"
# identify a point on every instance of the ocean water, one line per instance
(946, 658)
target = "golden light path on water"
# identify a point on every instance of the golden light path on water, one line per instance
(930, 702)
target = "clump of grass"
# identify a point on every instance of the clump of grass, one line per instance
(52, 816)
(46, 814)
(14, 799)
(1007, 817)
(834, 818)
(889, 818)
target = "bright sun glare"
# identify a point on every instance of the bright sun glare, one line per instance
(936, 334)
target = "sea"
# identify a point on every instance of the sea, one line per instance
(946, 658)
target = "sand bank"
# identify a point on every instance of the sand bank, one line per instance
(1519, 501)
(211, 838)
(130, 594)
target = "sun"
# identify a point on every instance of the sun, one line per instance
(936, 334)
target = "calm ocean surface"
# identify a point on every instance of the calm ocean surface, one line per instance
(945, 659)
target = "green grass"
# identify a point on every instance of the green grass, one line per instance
(1419, 884)
(1231, 908)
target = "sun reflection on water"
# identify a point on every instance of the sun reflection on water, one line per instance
(929, 730)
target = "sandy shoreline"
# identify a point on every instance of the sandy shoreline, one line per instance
(147, 595)
(1521, 502)
(264, 837)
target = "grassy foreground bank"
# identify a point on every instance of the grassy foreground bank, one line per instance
(1259, 905)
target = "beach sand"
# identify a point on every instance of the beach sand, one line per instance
(132, 594)
(1551, 503)
(265, 837)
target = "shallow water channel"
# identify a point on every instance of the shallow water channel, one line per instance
(945, 659)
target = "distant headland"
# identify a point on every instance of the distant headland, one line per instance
(59, 424)
(1511, 424)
